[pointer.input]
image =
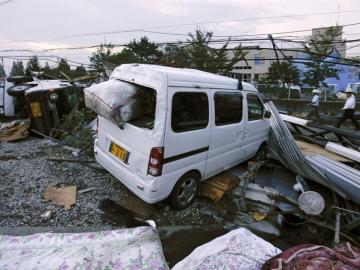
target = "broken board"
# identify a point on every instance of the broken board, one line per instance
(217, 186)
(65, 196)
(309, 149)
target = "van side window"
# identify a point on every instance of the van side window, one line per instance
(190, 111)
(255, 108)
(228, 108)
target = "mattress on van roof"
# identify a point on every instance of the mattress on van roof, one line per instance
(118, 101)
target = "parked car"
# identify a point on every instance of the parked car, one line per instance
(202, 125)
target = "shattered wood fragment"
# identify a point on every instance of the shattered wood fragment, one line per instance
(216, 187)
(65, 196)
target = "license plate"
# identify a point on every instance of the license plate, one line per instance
(35, 109)
(119, 152)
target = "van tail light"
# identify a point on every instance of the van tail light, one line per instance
(156, 161)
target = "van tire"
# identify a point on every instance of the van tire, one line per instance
(185, 190)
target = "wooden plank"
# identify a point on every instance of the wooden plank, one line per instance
(217, 186)
(309, 149)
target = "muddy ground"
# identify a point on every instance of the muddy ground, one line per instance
(27, 168)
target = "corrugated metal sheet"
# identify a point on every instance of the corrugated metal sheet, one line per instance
(283, 147)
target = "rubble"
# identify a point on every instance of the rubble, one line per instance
(26, 175)
(15, 130)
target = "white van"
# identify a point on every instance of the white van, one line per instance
(201, 125)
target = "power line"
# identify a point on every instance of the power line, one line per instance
(208, 22)
(146, 29)
(218, 41)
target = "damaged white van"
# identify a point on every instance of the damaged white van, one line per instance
(195, 125)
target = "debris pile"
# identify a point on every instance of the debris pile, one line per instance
(15, 130)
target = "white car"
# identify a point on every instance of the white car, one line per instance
(202, 125)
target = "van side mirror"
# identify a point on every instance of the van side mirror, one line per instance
(267, 114)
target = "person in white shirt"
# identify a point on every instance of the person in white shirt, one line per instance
(348, 109)
(315, 105)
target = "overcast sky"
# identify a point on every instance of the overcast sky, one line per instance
(44, 24)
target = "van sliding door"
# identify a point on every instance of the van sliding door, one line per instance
(226, 132)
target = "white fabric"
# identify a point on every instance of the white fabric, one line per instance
(137, 248)
(315, 100)
(350, 103)
(109, 98)
(239, 249)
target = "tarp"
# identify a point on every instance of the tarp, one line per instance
(239, 249)
(137, 248)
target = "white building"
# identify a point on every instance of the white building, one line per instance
(260, 59)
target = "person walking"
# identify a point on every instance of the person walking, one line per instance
(348, 109)
(315, 105)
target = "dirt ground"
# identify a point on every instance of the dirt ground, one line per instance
(27, 168)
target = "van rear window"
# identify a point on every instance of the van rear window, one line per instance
(190, 111)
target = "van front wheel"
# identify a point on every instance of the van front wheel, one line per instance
(184, 191)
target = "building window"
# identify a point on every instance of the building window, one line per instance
(242, 67)
(246, 77)
(190, 111)
(259, 60)
(255, 108)
(228, 108)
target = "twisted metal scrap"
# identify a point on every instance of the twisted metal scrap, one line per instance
(283, 147)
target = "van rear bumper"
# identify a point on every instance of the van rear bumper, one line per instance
(145, 189)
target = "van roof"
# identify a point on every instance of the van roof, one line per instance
(180, 77)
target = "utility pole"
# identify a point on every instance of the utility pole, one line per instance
(278, 62)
